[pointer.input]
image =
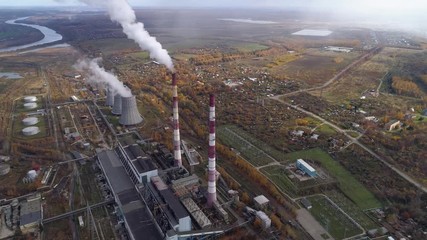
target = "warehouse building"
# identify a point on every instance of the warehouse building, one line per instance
(30, 214)
(306, 168)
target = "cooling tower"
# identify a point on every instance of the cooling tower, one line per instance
(110, 97)
(176, 135)
(130, 114)
(117, 107)
(211, 153)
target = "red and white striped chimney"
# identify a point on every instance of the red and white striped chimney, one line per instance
(176, 135)
(212, 157)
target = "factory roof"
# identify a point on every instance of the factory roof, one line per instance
(197, 214)
(261, 200)
(306, 165)
(137, 217)
(30, 210)
(173, 203)
(144, 164)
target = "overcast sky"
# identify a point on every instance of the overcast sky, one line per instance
(406, 12)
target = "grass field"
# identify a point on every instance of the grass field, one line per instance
(275, 174)
(326, 129)
(255, 151)
(347, 183)
(250, 47)
(352, 210)
(332, 219)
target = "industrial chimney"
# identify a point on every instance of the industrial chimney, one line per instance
(117, 107)
(110, 97)
(130, 114)
(211, 153)
(176, 135)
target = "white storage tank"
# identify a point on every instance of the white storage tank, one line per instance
(30, 99)
(30, 105)
(30, 131)
(4, 169)
(32, 174)
(30, 121)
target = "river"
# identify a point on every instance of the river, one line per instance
(49, 35)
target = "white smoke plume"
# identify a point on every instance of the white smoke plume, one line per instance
(97, 74)
(120, 11)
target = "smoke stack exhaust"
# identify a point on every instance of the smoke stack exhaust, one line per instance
(211, 154)
(176, 135)
(130, 114)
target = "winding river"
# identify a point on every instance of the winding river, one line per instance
(49, 35)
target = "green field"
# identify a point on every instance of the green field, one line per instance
(275, 174)
(326, 129)
(332, 219)
(347, 183)
(352, 210)
(255, 151)
(250, 47)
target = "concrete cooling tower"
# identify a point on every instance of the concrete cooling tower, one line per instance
(117, 107)
(110, 97)
(130, 114)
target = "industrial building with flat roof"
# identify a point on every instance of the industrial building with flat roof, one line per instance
(306, 168)
(138, 164)
(31, 213)
(138, 220)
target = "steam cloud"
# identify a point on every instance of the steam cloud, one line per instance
(120, 11)
(98, 74)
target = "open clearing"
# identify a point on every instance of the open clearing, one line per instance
(347, 183)
(332, 219)
(255, 151)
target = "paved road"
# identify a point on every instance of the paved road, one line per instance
(355, 141)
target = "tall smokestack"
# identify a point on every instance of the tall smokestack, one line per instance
(176, 135)
(212, 158)
(130, 114)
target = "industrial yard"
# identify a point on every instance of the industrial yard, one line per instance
(254, 138)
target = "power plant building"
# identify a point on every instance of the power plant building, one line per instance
(130, 114)
(139, 165)
(306, 168)
(137, 219)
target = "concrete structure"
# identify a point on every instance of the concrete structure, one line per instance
(110, 97)
(178, 217)
(117, 107)
(139, 165)
(30, 214)
(138, 220)
(306, 168)
(192, 155)
(265, 220)
(393, 125)
(4, 169)
(30, 106)
(32, 174)
(176, 134)
(211, 153)
(130, 114)
(29, 121)
(261, 201)
(30, 131)
(30, 99)
(196, 213)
